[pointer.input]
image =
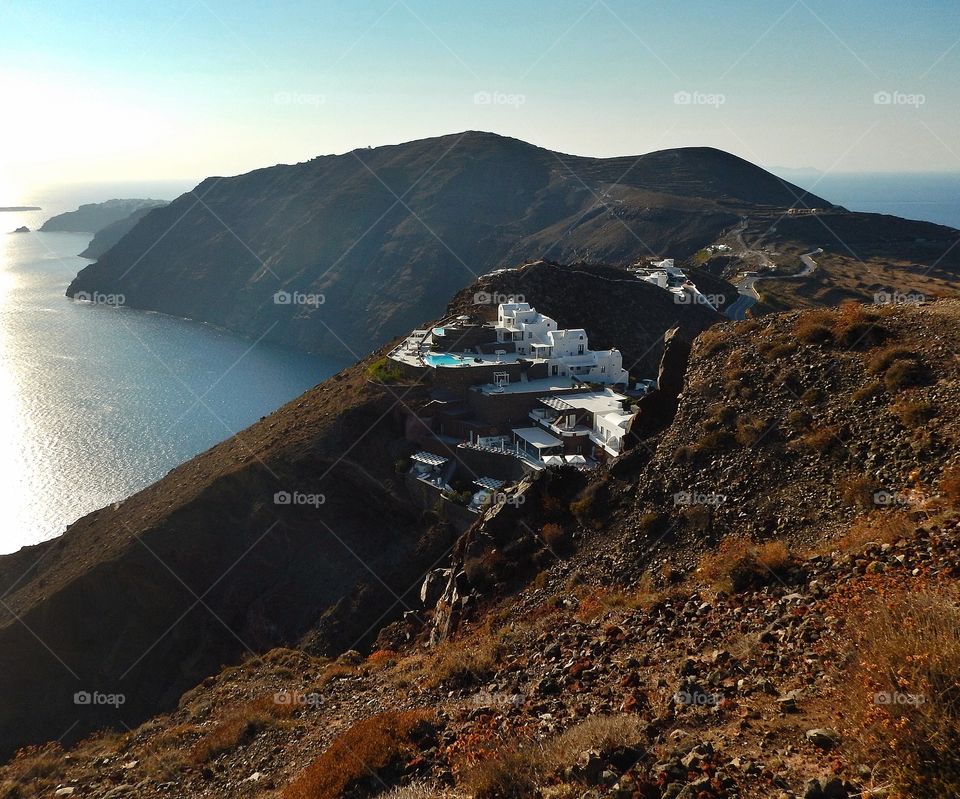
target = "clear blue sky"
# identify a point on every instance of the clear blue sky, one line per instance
(188, 88)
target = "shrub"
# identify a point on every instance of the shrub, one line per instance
(904, 374)
(602, 733)
(859, 491)
(878, 526)
(715, 441)
(485, 570)
(585, 507)
(465, 661)
(868, 393)
(737, 563)
(885, 358)
(382, 371)
(240, 727)
(905, 692)
(950, 485)
(712, 341)
(511, 774)
(913, 413)
(813, 396)
(361, 760)
(811, 332)
(821, 440)
(555, 537)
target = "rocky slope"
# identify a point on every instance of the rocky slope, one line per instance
(93, 217)
(388, 235)
(605, 645)
(148, 596)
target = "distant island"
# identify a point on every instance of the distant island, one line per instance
(94, 217)
(20, 208)
(21, 229)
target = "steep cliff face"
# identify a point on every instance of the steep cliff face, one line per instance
(388, 235)
(107, 237)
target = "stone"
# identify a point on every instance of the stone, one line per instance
(823, 737)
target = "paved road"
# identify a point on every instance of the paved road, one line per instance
(746, 285)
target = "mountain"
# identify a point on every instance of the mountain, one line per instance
(147, 597)
(384, 236)
(93, 217)
(106, 237)
(759, 599)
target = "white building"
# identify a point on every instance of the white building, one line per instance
(566, 352)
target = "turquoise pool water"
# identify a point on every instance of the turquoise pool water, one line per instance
(443, 359)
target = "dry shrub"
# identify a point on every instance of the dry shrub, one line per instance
(858, 491)
(382, 658)
(486, 569)
(464, 661)
(239, 727)
(810, 331)
(36, 767)
(950, 485)
(868, 393)
(738, 563)
(606, 734)
(856, 327)
(513, 773)
(751, 430)
(914, 412)
(372, 752)
(713, 442)
(904, 374)
(882, 360)
(819, 441)
(905, 692)
(555, 537)
(879, 526)
(710, 342)
(813, 396)
(585, 508)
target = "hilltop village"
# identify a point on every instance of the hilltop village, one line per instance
(512, 397)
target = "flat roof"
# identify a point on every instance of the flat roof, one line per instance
(537, 437)
(597, 402)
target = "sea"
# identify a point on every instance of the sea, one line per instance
(97, 402)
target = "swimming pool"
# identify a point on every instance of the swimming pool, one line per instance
(443, 359)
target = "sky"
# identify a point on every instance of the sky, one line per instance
(111, 90)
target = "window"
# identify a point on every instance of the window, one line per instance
(580, 349)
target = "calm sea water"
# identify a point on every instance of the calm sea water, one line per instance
(98, 402)
(931, 197)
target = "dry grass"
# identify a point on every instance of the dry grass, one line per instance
(603, 733)
(240, 727)
(466, 660)
(738, 563)
(370, 754)
(950, 486)
(858, 491)
(879, 526)
(913, 412)
(904, 692)
(820, 441)
(513, 773)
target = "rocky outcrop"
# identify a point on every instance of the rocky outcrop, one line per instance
(107, 237)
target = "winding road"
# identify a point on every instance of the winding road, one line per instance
(746, 284)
